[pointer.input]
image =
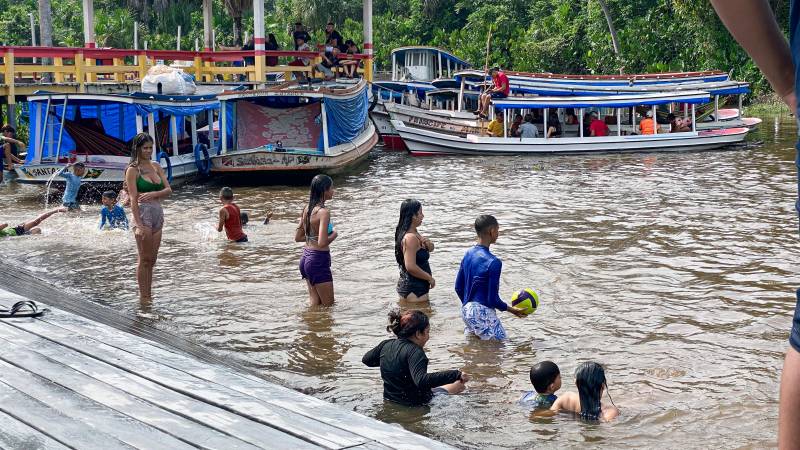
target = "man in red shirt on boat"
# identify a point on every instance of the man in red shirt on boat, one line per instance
(597, 127)
(500, 89)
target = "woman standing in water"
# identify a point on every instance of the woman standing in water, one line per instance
(315, 228)
(590, 379)
(412, 252)
(147, 185)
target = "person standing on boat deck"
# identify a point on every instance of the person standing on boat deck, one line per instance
(315, 228)
(412, 251)
(500, 89)
(754, 27)
(299, 31)
(495, 127)
(147, 185)
(648, 125)
(597, 128)
(528, 129)
(11, 148)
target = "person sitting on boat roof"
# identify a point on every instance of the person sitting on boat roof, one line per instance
(515, 125)
(329, 63)
(597, 127)
(553, 125)
(299, 31)
(28, 227)
(648, 125)
(301, 46)
(349, 65)
(528, 129)
(500, 89)
(678, 125)
(495, 127)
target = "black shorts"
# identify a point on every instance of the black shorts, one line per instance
(498, 95)
(20, 230)
(408, 284)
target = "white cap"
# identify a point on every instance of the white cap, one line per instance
(649, 113)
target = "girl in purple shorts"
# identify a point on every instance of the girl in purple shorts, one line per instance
(315, 228)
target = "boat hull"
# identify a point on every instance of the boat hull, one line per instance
(102, 170)
(260, 161)
(391, 140)
(422, 142)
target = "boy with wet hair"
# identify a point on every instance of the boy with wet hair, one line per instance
(70, 199)
(28, 227)
(478, 285)
(230, 217)
(112, 215)
(546, 380)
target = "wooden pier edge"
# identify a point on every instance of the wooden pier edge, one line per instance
(71, 381)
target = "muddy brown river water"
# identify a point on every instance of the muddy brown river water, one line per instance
(676, 271)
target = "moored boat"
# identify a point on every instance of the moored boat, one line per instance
(292, 131)
(426, 141)
(95, 129)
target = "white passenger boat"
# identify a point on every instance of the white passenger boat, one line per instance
(415, 70)
(96, 129)
(426, 141)
(292, 131)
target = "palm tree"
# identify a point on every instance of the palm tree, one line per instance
(236, 8)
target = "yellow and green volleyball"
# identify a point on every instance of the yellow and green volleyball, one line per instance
(527, 300)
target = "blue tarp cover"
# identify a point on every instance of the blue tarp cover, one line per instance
(346, 119)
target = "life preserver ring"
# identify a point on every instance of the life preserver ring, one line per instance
(201, 159)
(164, 155)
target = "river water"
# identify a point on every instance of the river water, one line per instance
(676, 271)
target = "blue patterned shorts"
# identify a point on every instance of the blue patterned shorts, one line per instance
(482, 322)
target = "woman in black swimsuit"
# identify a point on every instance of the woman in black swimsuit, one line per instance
(412, 251)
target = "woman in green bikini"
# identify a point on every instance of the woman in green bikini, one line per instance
(147, 185)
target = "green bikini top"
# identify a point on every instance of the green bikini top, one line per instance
(143, 185)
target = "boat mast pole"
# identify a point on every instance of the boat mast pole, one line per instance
(694, 127)
(173, 123)
(505, 123)
(151, 130)
(44, 128)
(655, 121)
(619, 122)
(461, 95)
(324, 127)
(61, 130)
(546, 112)
(211, 127)
(580, 123)
(223, 128)
(193, 122)
(716, 108)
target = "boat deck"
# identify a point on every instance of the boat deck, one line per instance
(70, 382)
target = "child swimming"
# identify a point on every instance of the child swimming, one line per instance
(478, 285)
(112, 215)
(590, 379)
(404, 366)
(546, 380)
(230, 217)
(28, 227)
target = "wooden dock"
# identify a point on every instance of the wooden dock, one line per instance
(71, 382)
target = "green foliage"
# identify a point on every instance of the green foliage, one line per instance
(541, 35)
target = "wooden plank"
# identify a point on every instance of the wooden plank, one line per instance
(216, 394)
(274, 394)
(50, 360)
(96, 415)
(61, 428)
(15, 434)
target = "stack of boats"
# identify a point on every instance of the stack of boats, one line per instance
(437, 118)
(293, 130)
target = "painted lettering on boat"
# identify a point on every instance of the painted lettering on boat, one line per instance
(265, 159)
(35, 172)
(431, 123)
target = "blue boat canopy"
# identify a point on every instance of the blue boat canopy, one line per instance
(608, 101)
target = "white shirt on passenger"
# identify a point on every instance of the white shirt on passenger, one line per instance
(528, 130)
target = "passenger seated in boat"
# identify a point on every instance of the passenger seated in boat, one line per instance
(500, 89)
(404, 366)
(495, 127)
(546, 380)
(553, 125)
(570, 118)
(587, 121)
(515, 125)
(528, 129)
(677, 124)
(328, 63)
(302, 46)
(596, 126)
(28, 227)
(648, 125)
(590, 379)
(349, 65)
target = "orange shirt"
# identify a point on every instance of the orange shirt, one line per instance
(647, 126)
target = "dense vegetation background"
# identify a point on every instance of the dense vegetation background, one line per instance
(528, 35)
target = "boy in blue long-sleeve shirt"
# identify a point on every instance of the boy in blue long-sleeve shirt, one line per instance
(112, 215)
(478, 285)
(70, 199)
